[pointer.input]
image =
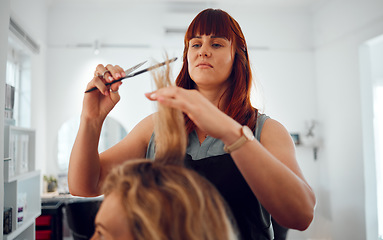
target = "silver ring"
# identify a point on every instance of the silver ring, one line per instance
(103, 74)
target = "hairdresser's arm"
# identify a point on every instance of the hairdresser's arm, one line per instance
(272, 172)
(280, 185)
(88, 168)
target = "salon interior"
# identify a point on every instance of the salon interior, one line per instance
(317, 66)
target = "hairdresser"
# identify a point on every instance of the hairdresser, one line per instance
(248, 156)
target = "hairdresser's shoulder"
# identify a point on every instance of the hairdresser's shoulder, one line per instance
(144, 129)
(146, 124)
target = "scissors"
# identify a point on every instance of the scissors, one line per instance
(129, 73)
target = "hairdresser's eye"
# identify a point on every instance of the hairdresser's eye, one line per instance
(216, 45)
(196, 45)
(98, 235)
(101, 237)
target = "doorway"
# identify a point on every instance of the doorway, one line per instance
(371, 55)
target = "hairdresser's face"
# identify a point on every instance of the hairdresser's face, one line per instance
(111, 223)
(210, 60)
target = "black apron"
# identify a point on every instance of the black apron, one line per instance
(252, 219)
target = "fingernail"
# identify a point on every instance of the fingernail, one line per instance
(153, 95)
(110, 78)
(106, 93)
(118, 75)
(123, 74)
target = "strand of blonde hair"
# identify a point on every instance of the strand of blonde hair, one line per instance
(169, 127)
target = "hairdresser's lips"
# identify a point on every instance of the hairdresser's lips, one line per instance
(204, 65)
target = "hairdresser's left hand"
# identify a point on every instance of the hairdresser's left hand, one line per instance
(205, 115)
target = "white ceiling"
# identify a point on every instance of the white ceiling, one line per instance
(187, 4)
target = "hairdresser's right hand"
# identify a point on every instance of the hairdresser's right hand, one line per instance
(97, 104)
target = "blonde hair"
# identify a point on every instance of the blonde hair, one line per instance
(164, 200)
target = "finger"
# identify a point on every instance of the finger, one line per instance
(108, 73)
(114, 95)
(116, 72)
(121, 70)
(172, 103)
(99, 84)
(103, 73)
(152, 96)
(115, 87)
(166, 92)
(170, 96)
(100, 69)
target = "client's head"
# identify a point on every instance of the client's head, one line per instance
(149, 200)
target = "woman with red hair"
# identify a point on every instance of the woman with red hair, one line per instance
(249, 157)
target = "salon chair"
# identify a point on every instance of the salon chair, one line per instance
(80, 215)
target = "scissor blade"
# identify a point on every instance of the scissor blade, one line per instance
(151, 68)
(134, 68)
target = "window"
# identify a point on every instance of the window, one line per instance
(18, 76)
(371, 74)
(111, 133)
(371, 56)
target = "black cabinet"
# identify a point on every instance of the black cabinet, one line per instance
(49, 226)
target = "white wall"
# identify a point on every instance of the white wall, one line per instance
(340, 28)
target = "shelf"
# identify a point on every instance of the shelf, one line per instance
(21, 181)
(27, 224)
(24, 191)
(20, 177)
(19, 152)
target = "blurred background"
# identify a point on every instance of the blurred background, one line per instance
(318, 67)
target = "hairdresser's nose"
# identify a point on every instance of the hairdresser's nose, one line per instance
(204, 51)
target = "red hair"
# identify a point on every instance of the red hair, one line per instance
(220, 23)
